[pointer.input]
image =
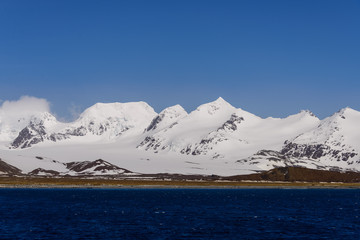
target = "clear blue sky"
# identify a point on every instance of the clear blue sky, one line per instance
(272, 58)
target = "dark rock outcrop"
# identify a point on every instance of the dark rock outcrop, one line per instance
(30, 135)
(316, 151)
(154, 123)
(7, 169)
(230, 125)
(97, 166)
(41, 171)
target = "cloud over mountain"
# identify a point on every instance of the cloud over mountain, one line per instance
(24, 106)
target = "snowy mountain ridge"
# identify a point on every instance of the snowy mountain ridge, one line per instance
(336, 139)
(215, 138)
(102, 121)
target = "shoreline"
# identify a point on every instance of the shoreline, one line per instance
(83, 183)
(168, 187)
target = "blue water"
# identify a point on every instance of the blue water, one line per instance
(179, 214)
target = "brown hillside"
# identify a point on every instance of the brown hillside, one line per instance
(293, 174)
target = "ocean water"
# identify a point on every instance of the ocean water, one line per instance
(180, 214)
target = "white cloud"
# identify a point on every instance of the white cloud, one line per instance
(25, 105)
(11, 112)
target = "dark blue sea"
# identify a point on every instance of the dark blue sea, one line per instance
(180, 214)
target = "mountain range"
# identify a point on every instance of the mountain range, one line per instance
(216, 138)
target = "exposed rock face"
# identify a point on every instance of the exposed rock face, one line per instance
(317, 151)
(95, 167)
(231, 124)
(32, 134)
(150, 143)
(7, 169)
(36, 133)
(154, 123)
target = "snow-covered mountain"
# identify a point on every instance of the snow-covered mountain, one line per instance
(218, 129)
(216, 138)
(12, 124)
(35, 131)
(101, 122)
(335, 141)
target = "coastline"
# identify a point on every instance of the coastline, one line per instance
(70, 183)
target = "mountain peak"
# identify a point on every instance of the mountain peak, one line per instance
(307, 112)
(173, 109)
(220, 100)
(218, 105)
(346, 112)
(116, 109)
